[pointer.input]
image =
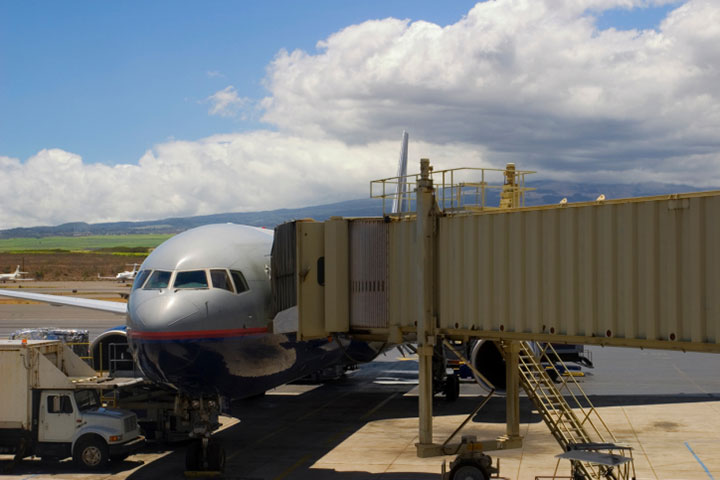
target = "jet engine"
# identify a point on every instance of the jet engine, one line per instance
(487, 359)
(110, 351)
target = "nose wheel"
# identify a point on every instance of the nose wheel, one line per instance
(205, 455)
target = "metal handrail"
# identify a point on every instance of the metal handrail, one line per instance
(566, 425)
(579, 389)
(453, 187)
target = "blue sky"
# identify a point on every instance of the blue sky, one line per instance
(108, 80)
(186, 108)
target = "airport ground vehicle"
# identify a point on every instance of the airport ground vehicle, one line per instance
(51, 407)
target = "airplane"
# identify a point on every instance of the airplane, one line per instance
(15, 276)
(125, 276)
(198, 319)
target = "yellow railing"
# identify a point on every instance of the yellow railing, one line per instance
(458, 189)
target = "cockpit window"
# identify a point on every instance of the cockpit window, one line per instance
(140, 279)
(159, 279)
(221, 279)
(240, 283)
(191, 279)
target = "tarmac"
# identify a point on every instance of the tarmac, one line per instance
(666, 405)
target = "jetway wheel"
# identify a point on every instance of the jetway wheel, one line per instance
(468, 470)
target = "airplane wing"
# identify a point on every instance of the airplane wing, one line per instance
(58, 300)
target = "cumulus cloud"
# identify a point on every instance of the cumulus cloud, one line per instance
(227, 102)
(239, 172)
(533, 81)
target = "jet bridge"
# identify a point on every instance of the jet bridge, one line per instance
(637, 272)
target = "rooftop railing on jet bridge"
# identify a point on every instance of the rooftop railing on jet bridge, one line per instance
(457, 190)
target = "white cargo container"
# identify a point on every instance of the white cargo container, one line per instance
(51, 408)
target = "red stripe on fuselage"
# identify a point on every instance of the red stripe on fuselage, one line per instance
(235, 332)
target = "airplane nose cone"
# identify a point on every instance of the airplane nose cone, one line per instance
(154, 311)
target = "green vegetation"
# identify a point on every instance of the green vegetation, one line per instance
(116, 244)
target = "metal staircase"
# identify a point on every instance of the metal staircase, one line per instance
(571, 417)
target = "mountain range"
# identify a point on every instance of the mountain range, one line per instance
(546, 192)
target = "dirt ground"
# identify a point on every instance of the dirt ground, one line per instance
(67, 266)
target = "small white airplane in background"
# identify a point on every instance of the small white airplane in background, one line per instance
(15, 276)
(126, 276)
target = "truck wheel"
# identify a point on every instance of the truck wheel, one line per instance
(91, 453)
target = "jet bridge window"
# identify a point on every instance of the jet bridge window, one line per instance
(191, 279)
(140, 279)
(221, 279)
(241, 284)
(159, 279)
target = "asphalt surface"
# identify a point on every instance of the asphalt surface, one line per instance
(666, 404)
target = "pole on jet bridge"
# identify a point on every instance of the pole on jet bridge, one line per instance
(425, 234)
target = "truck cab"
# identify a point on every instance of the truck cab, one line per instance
(74, 423)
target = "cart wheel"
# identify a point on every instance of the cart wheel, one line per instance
(468, 471)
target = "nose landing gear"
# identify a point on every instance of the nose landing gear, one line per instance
(204, 454)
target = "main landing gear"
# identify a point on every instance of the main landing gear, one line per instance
(204, 454)
(445, 380)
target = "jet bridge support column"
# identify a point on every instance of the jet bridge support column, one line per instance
(426, 339)
(512, 397)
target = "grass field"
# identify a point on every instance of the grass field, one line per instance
(105, 243)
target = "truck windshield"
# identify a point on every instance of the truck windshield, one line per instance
(87, 399)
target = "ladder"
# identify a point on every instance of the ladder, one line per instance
(566, 410)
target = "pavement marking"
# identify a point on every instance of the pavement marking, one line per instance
(711, 396)
(699, 461)
(378, 406)
(292, 467)
(637, 439)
